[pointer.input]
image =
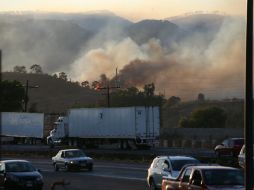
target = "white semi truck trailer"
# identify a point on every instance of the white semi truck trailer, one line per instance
(20, 126)
(128, 126)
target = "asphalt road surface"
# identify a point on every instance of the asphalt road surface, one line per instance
(105, 176)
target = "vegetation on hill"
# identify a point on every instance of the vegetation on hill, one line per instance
(57, 94)
(232, 110)
(209, 117)
(12, 93)
(54, 95)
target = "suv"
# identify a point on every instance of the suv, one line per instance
(166, 166)
(229, 147)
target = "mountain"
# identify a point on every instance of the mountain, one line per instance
(53, 44)
(206, 26)
(99, 21)
(164, 30)
(54, 95)
(203, 22)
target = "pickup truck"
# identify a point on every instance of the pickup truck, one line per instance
(205, 177)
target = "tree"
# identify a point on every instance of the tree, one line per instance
(103, 79)
(36, 69)
(149, 89)
(201, 97)
(19, 69)
(63, 76)
(173, 100)
(209, 117)
(77, 83)
(96, 85)
(55, 76)
(85, 84)
(12, 96)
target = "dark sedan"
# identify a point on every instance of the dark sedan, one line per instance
(20, 175)
(229, 147)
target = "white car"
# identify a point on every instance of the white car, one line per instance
(70, 159)
(241, 157)
(166, 166)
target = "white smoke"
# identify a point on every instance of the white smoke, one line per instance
(193, 66)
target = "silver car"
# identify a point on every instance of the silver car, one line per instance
(166, 166)
(71, 159)
(241, 157)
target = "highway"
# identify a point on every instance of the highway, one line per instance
(105, 176)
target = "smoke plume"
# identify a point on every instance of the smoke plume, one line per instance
(214, 67)
(205, 57)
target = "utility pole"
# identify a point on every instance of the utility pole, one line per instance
(108, 92)
(248, 122)
(108, 89)
(26, 93)
(1, 63)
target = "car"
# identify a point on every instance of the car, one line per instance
(208, 177)
(72, 159)
(229, 147)
(169, 166)
(241, 157)
(19, 174)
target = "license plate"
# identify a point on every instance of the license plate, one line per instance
(29, 184)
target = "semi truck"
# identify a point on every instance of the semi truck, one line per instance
(20, 126)
(130, 127)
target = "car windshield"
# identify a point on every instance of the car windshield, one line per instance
(72, 154)
(19, 167)
(224, 177)
(178, 164)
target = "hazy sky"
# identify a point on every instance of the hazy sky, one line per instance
(131, 9)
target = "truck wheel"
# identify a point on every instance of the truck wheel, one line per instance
(56, 167)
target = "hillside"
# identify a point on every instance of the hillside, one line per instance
(234, 111)
(144, 30)
(57, 96)
(54, 95)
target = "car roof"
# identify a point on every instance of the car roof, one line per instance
(10, 161)
(177, 157)
(181, 158)
(237, 138)
(71, 149)
(212, 167)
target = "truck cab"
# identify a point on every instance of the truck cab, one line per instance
(59, 132)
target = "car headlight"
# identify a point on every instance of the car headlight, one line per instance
(72, 162)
